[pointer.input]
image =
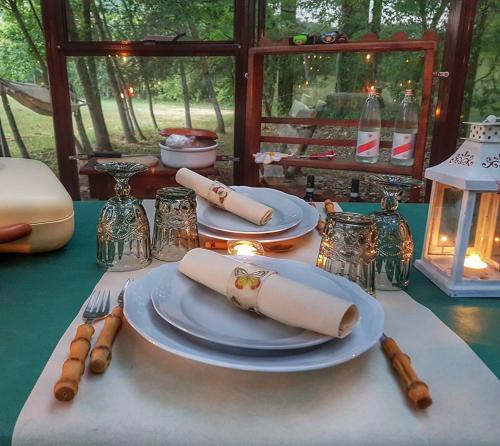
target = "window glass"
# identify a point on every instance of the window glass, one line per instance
(130, 99)
(26, 126)
(482, 92)
(336, 84)
(107, 20)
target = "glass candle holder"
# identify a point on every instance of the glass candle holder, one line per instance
(176, 227)
(245, 248)
(348, 248)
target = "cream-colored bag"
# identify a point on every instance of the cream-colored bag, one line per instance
(36, 212)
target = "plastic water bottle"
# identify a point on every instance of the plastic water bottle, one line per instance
(368, 144)
(405, 132)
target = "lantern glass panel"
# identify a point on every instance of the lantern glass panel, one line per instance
(482, 258)
(446, 205)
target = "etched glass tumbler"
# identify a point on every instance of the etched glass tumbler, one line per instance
(176, 226)
(395, 247)
(123, 242)
(348, 248)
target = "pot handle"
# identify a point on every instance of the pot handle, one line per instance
(11, 233)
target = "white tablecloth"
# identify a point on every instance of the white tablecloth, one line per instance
(151, 397)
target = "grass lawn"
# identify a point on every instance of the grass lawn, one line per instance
(38, 133)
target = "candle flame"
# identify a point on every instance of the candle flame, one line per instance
(245, 248)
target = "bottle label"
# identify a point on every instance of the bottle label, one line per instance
(368, 143)
(403, 145)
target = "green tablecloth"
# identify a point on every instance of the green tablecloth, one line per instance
(40, 295)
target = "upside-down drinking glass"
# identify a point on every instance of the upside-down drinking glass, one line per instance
(123, 242)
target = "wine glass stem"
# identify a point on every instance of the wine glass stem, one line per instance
(122, 188)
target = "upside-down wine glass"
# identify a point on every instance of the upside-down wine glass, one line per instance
(123, 242)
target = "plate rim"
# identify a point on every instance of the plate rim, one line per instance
(206, 355)
(282, 236)
(321, 339)
(256, 232)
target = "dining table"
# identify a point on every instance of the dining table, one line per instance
(41, 294)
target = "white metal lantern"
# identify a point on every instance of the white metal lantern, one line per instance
(461, 252)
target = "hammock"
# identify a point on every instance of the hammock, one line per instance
(35, 97)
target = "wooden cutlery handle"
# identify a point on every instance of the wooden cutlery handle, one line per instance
(100, 357)
(416, 390)
(67, 386)
(11, 233)
(329, 206)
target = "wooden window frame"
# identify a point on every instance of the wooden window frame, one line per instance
(59, 48)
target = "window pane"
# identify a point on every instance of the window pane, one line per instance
(336, 84)
(130, 99)
(105, 20)
(482, 95)
(25, 106)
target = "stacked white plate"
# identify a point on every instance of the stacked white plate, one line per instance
(292, 218)
(185, 318)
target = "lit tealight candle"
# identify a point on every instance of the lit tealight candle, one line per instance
(474, 262)
(245, 248)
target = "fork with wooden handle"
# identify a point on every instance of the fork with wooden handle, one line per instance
(100, 357)
(66, 386)
(416, 390)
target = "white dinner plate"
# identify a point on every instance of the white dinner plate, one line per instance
(205, 314)
(144, 319)
(309, 221)
(286, 213)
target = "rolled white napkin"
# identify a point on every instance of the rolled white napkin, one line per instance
(223, 197)
(251, 287)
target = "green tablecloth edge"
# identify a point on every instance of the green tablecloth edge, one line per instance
(53, 306)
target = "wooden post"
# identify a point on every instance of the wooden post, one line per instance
(451, 89)
(244, 19)
(54, 21)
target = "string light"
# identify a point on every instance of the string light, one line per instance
(368, 58)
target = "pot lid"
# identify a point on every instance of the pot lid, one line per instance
(198, 133)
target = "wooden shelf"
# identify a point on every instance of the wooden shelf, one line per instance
(318, 121)
(380, 167)
(359, 46)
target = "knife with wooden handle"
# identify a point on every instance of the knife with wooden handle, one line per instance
(100, 357)
(11, 233)
(416, 390)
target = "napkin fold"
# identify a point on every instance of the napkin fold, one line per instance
(224, 197)
(251, 287)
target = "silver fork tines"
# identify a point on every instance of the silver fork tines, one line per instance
(97, 306)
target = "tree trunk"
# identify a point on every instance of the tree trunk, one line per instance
(145, 77)
(4, 145)
(13, 125)
(92, 94)
(87, 35)
(86, 147)
(212, 97)
(120, 103)
(35, 14)
(185, 95)
(78, 145)
(31, 44)
(286, 65)
(375, 28)
(483, 9)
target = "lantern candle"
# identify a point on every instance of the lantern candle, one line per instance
(474, 262)
(245, 248)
